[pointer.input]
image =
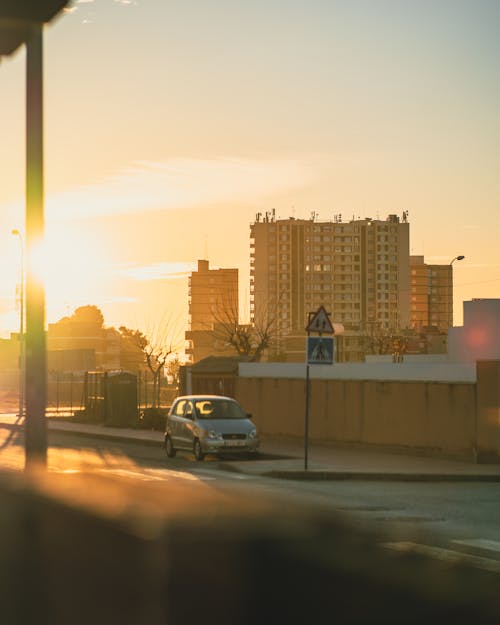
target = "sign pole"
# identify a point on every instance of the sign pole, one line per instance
(318, 351)
(306, 431)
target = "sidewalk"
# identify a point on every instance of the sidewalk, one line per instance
(284, 458)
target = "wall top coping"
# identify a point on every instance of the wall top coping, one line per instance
(451, 372)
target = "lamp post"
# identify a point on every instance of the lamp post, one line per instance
(22, 23)
(450, 291)
(16, 232)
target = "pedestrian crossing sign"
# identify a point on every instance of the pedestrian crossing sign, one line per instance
(320, 322)
(320, 350)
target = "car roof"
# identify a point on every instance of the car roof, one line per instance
(205, 397)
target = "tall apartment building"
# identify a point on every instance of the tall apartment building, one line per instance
(357, 270)
(213, 296)
(431, 295)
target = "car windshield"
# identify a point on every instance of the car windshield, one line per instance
(218, 409)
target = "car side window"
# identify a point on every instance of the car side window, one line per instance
(179, 408)
(189, 410)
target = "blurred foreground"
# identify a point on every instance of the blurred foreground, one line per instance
(87, 548)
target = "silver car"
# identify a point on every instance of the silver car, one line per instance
(209, 424)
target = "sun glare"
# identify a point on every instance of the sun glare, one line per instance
(72, 266)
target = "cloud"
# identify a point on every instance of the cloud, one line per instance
(181, 183)
(155, 271)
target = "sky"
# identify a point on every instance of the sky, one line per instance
(169, 124)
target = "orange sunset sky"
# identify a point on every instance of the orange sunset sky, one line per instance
(169, 125)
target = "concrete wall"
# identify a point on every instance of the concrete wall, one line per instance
(488, 410)
(431, 417)
(424, 371)
(437, 408)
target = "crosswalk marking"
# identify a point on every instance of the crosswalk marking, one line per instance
(446, 555)
(156, 476)
(227, 475)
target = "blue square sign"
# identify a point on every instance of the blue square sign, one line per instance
(320, 350)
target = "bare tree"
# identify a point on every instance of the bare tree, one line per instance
(250, 340)
(172, 367)
(379, 340)
(157, 343)
(132, 344)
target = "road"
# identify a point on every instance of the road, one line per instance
(450, 521)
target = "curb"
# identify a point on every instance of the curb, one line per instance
(316, 475)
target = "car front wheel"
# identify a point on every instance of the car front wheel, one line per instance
(169, 447)
(197, 450)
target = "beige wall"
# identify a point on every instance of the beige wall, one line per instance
(488, 410)
(432, 417)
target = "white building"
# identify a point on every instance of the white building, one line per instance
(479, 337)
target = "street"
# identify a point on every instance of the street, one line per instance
(450, 521)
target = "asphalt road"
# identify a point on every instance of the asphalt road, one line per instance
(447, 521)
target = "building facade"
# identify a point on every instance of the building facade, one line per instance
(78, 340)
(357, 270)
(213, 300)
(431, 295)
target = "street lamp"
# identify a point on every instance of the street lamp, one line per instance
(16, 232)
(449, 313)
(22, 23)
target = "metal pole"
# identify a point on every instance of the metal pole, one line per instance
(21, 337)
(16, 232)
(35, 366)
(306, 433)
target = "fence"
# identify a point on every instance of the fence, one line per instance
(66, 392)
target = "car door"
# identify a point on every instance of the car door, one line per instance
(188, 425)
(176, 422)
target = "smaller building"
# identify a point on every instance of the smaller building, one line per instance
(431, 296)
(77, 336)
(212, 375)
(213, 305)
(479, 337)
(75, 360)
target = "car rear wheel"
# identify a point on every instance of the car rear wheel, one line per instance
(169, 447)
(197, 450)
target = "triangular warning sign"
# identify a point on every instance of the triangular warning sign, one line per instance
(320, 322)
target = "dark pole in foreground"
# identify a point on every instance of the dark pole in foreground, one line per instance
(306, 433)
(36, 367)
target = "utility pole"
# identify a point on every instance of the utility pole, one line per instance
(16, 232)
(22, 23)
(36, 366)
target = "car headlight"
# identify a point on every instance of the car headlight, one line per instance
(213, 435)
(252, 433)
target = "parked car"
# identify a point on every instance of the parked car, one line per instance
(209, 424)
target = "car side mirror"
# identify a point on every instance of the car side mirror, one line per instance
(249, 415)
(189, 415)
